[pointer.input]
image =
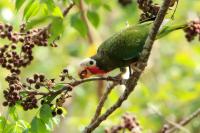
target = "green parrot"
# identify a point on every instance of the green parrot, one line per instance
(122, 49)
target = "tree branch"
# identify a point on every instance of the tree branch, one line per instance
(85, 20)
(66, 11)
(91, 41)
(115, 80)
(102, 101)
(132, 81)
(105, 96)
(184, 122)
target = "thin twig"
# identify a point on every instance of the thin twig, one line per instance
(76, 83)
(66, 11)
(184, 121)
(102, 101)
(85, 20)
(91, 41)
(132, 81)
(105, 96)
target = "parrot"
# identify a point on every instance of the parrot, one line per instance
(121, 49)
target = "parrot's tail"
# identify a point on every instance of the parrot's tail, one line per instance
(168, 29)
(148, 19)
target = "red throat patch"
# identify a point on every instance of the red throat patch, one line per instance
(96, 70)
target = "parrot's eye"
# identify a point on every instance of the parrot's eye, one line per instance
(91, 62)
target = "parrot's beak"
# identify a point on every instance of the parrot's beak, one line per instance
(84, 73)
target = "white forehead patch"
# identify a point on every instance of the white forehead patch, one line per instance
(87, 62)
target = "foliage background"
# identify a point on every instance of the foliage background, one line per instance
(169, 87)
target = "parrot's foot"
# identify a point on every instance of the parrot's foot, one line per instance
(135, 68)
(130, 71)
(123, 70)
(116, 78)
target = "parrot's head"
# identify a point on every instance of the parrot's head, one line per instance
(89, 67)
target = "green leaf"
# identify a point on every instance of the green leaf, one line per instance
(107, 7)
(37, 21)
(38, 126)
(26, 130)
(96, 3)
(23, 124)
(17, 127)
(57, 28)
(50, 4)
(78, 24)
(31, 9)
(93, 18)
(50, 125)
(53, 9)
(45, 113)
(58, 86)
(13, 113)
(12, 128)
(52, 122)
(18, 4)
(44, 9)
(56, 120)
(2, 123)
(57, 12)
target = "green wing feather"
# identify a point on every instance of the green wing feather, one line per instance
(126, 44)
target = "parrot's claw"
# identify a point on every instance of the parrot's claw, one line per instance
(116, 78)
(136, 69)
(123, 70)
(130, 72)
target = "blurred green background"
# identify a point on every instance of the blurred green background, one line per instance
(169, 89)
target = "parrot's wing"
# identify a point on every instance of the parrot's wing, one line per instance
(127, 44)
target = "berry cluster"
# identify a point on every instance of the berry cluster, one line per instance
(148, 8)
(18, 53)
(19, 92)
(192, 30)
(125, 2)
(129, 122)
(37, 80)
(30, 101)
(65, 75)
(60, 101)
(12, 94)
(13, 56)
(27, 94)
(57, 111)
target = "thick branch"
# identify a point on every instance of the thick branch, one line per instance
(132, 81)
